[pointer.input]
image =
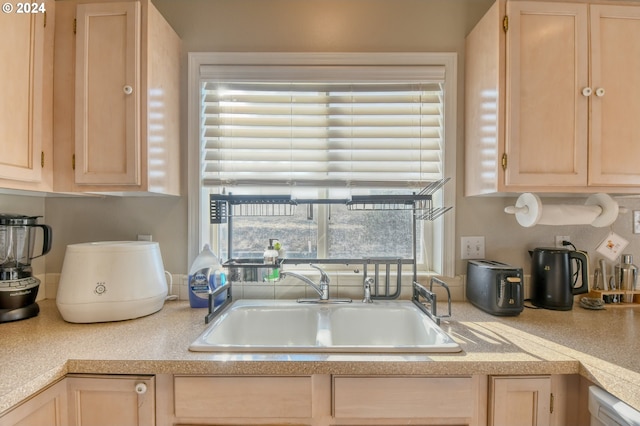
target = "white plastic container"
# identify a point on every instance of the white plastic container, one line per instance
(111, 281)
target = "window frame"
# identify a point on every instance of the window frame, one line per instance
(442, 262)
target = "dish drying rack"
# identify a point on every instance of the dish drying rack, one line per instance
(224, 207)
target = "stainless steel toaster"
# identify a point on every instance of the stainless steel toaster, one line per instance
(495, 287)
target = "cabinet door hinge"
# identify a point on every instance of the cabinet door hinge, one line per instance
(44, 24)
(551, 403)
(504, 161)
(73, 162)
(42, 159)
(505, 23)
(75, 25)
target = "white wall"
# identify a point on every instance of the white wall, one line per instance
(322, 26)
(77, 220)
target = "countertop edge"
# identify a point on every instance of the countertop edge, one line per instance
(535, 343)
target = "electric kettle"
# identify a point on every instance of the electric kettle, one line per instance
(553, 278)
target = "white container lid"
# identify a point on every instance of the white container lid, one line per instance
(111, 246)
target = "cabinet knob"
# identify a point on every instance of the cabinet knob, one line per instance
(127, 90)
(587, 91)
(141, 388)
(599, 92)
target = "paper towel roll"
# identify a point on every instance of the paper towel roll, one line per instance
(599, 210)
(567, 214)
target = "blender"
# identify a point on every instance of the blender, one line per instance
(18, 286)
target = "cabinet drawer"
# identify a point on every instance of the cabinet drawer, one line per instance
(247, 397)
(403, 397)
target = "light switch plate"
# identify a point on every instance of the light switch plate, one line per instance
(472, 247)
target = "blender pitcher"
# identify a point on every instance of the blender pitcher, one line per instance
(17, 241)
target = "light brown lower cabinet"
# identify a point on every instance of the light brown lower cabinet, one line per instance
(321, 400)
(533, 400)
(89, 400)
(111, 400)
(240, 400)
(426, 400)
(47, 407)
(314, 400)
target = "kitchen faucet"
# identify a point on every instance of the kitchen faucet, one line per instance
(368, 282)
(321, 288)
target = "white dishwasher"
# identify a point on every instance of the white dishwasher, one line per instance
(607, 410)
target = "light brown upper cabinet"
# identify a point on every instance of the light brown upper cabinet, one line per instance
(552, 90)
(116, 99)
(26, 91)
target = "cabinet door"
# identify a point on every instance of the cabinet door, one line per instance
(111, 400)
(21, 108)
(424, 399)
(546, 114)
(614, 156)
(48, 407)
(520, 401)
(218, 398)
(107, 99)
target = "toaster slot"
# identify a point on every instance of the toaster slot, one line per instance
(509, 291)
(489, 263)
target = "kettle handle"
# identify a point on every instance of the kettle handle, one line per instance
(582, 258)
(46, 239)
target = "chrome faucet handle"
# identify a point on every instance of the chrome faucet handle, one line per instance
(324, 282)
(324, 278)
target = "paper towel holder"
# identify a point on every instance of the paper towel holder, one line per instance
(599, 210)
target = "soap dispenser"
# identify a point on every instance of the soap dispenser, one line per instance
(271, 274)
(271, 254)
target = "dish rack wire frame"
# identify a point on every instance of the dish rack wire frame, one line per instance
(384, 287)
(224, 207)
(430, 304)
(215, 310)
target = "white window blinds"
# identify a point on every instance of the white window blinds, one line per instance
(322, 126)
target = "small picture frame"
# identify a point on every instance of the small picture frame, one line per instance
(611, 247)
(636, 221)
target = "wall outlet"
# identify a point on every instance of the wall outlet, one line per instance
(560, 239)
(145, 237)
(472, 247)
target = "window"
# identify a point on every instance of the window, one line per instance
(318, 126)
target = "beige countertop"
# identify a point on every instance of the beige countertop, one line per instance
(602, 346)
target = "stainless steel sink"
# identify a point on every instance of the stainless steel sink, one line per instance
(287, 326)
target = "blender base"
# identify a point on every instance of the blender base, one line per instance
(7, 315)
